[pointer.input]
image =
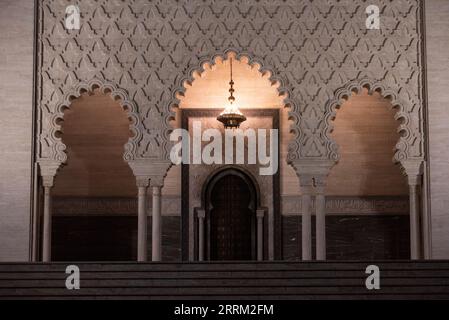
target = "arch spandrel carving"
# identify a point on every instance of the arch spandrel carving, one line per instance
(311, 47)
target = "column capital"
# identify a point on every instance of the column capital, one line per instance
(320, 181)
(149, 167)
(157, 181)
(48, 181)
(48, 169)
(306, 182)
(201, 213)
(142, 181)
(312, 174)
(413, 169)
(260, 213)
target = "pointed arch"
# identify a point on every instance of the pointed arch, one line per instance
(58, 148)
(344, 93)
(263, 68)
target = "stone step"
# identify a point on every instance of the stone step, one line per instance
(227, 280)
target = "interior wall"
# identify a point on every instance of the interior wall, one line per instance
(437, 41)
(16, 124)
(95, 130)
(366, 133)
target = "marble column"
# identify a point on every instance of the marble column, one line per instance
(46, 237)
(306, 225)
(156, 244)
(320, 207)
(201, 216)
(260, 216)
(413, 170)
(414, 220)
(48, 170)
(312, 174)
(155, 171)
(142, 220)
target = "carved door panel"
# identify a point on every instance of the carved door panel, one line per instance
(231, 220)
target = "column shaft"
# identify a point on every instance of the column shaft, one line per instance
(414, 223)
(320, 227)
(306, 228)
(142, 247)
(46, 242)
(156, 224)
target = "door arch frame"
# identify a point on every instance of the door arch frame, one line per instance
(192, 211)
(207, 188)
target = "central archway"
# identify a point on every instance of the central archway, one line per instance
(230, 202)
(265, 103)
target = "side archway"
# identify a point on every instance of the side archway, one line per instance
(50, 165)
(411, 165)
(344, 93)
(119, 95)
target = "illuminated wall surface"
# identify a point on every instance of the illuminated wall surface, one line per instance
(298, 57)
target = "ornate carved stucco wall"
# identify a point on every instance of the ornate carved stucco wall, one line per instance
(318, 50)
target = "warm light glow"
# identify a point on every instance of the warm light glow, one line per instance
(231, 109)
(254, 90)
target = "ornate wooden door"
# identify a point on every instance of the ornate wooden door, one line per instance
(231, 220)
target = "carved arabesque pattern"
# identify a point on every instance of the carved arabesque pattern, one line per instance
(149, 48)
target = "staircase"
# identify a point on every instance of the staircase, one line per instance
(227, 280)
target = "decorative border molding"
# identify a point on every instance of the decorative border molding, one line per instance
(373, 205)
(68, 206)
(290, 205)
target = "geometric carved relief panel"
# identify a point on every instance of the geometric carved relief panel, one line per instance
(315, 49)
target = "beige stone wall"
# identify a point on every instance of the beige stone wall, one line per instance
(437, 33)
(16, 91)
